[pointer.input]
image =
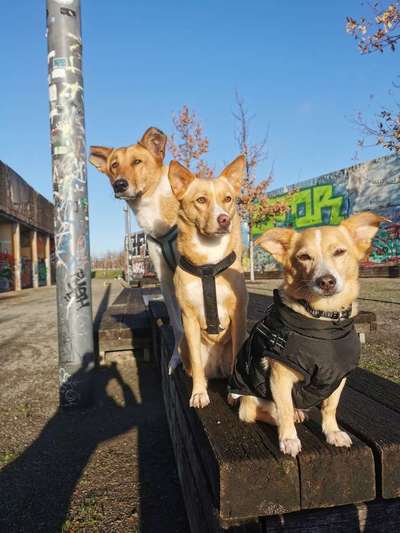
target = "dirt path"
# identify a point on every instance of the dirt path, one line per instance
(109, 468)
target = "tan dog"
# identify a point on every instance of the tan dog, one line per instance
(138, 175)
(321, 283)
(208, 232)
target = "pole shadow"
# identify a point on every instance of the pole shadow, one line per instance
(37, 487)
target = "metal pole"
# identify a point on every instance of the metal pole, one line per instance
(126, 243)
(68, 151)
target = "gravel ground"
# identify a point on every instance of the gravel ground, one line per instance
(380, 353)
(109, 468)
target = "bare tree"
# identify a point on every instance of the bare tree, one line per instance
(375, 34)
(188, 143)
(254, 207)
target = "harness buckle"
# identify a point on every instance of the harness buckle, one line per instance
(208, 270)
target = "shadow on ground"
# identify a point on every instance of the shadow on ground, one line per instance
(36, 488)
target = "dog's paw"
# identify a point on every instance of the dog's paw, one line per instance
(290, 446)
(299, 416)
(338, 438)
(232, 399)
(174, 362)
(199, 399)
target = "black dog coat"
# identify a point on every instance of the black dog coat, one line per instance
(323, 351)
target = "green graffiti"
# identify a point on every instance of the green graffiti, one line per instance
(313, 206)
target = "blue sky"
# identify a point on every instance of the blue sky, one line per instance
(298, 70)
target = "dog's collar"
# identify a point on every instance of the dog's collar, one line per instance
(332, 315)
(166, 242)
(207, 274)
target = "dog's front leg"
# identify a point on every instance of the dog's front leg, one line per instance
(191, 327)
(333, 433)
(282, 380)
(238, 332)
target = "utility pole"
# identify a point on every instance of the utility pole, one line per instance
(127, 242)
(69, 168)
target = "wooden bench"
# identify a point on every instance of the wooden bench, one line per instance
(126, 324)
(235, 478)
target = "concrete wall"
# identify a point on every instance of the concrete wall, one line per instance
(330, 198)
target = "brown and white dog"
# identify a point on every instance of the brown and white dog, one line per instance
(138, 175)
(208, 233)
(320, 268)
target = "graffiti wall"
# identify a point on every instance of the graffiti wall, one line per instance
(330, 198)
(6, 271)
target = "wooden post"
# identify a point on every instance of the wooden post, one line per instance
(35, 271)
(16, 244)
(47, 260)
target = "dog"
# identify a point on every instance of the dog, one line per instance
(209, 280)
(138, 175)
(299, 355)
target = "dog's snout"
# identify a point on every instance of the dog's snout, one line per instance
(223, 221)
(120, 186)
(327, 283)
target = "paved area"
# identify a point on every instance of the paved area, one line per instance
(109, 468)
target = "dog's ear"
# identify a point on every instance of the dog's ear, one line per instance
(276, 241)
(98, 157)
(180, 178)
(363, 228)
(154, 140)
(234, 172)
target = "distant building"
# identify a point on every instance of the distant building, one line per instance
(26, 234)
(330, 198)
(139, 262)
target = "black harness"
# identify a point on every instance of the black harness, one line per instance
(207, 274)
(166, 243)
(323, 352)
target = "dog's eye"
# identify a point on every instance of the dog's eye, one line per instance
(201, 199)
(114, 164)
(339, 252)
(137, 161)
(304, 257)
(228, 199)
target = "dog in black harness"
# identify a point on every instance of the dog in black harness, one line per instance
(209, 281)
(299, 355)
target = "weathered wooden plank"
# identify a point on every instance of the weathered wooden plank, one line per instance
(379, 516)
(201, 512)
(379, 427)
(379, 389)
(333, 484)
(238, 450)
(329, 476)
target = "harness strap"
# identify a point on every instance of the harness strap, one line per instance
(207, 274)
(166, 242)
(273, 339)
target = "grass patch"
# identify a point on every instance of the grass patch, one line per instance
(7, 457)
(107, 274)
(85, 516)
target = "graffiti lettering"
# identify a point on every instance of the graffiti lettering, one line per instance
(313, 206)
(386, 245)
(77, 290)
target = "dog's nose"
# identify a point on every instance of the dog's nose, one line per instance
(120, 186)
(327, 282)
(223, 221)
